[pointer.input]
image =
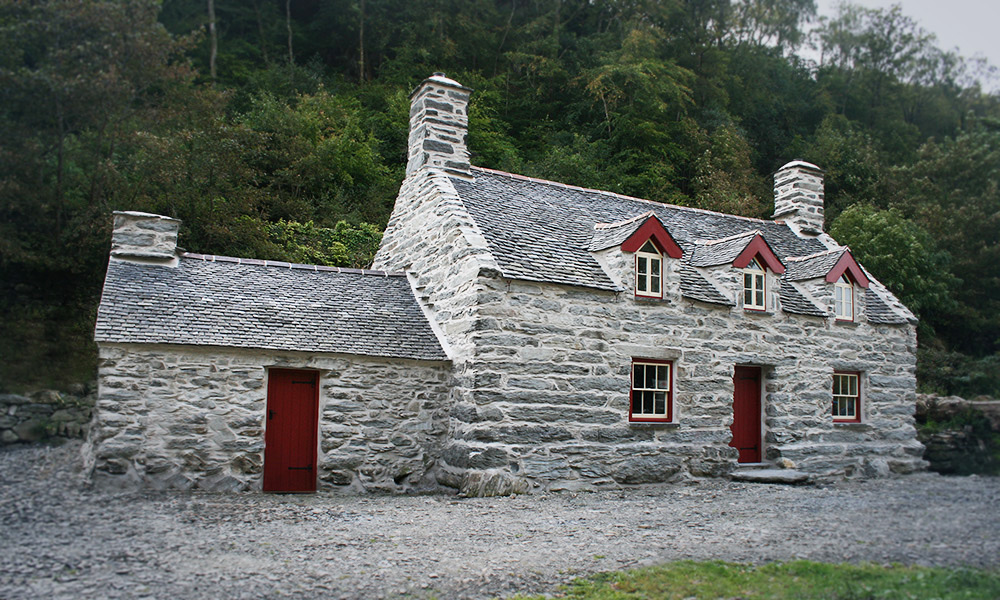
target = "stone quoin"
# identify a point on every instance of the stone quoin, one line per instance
(514, 335)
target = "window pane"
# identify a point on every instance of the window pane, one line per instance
(641, 265)
(649, 247)
(654, 284)
(647, 403)
(853, 381)
(661, 403)
(636, 376)
(663, 378)
(636, 403)
(836, 384)
(650, 378)
(747, 281)
(641, 283)
(760, 298)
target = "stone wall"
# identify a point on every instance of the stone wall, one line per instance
(45, 415)
(184, 417)
(548, 405)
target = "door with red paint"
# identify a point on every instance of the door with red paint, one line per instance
(290, 431)
(746, 414)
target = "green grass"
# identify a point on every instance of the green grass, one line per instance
(799, 579)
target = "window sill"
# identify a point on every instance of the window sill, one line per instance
(845, 323)
(653, 425)
(758, 312)
(852, 426)
(651, 299)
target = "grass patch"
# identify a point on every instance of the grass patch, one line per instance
(799, 579)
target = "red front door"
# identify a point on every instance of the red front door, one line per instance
(746, 414)
(290, 431)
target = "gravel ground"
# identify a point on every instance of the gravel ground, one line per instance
(60, 540)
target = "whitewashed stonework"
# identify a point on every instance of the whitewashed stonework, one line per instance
(502, 361)
(174, 417)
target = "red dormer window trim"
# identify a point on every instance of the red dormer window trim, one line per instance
(653, 230)
(850, 267)
(758, 248)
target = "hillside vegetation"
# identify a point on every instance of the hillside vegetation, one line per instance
(277, 129)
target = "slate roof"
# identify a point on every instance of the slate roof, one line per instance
(615, 234)
(543, 231)
(794, 301)
(721, 252)
(811, 267)
(221, 301)
(879, 312)
(696, 287)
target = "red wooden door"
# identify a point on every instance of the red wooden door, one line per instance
(746, 414)
(291, 430)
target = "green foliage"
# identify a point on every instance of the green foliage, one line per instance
(949, 373)
(900, 254)
(798, 579)
(299, 141)
(344, 245)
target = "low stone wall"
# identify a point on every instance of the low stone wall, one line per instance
(961, 437)
(45, 415)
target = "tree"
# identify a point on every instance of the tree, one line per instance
(953, 191)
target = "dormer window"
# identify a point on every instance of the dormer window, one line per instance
(843, 295)
(753, 286)
(648, 271)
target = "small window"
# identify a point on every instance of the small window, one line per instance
(652, 394)
(753, 286)
(648, 272)
(843, 292)
(846, 397)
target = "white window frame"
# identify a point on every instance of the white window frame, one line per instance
(754, 286)
(651, 274)
(843, 299)
(848, 400)
(640, 391)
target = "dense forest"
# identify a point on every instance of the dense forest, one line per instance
(276, 129)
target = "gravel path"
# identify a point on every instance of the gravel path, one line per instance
(59, 540)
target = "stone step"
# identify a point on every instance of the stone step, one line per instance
(786, 476)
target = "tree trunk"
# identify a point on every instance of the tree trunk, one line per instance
(260, 32)
(361, 45)
(213, 39)
(288, 26)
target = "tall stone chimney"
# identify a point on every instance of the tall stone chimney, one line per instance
(798, 196)
(439, 125)
(145, 237)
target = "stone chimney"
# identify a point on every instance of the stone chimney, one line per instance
(145, 237)
(439, 125)
(798, 196)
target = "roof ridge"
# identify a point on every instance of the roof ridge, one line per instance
(816, 254)
(754, 232)
(287, 265)
(623, 196)
(628, 221)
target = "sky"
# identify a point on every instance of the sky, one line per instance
(973, 26)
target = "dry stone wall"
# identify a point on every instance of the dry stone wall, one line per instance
(548, 405)
(183, 417)
(45, 415)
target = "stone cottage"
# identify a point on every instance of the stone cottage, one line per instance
(515, 335)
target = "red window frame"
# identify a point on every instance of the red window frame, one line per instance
(857, 398)
(636, 392)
